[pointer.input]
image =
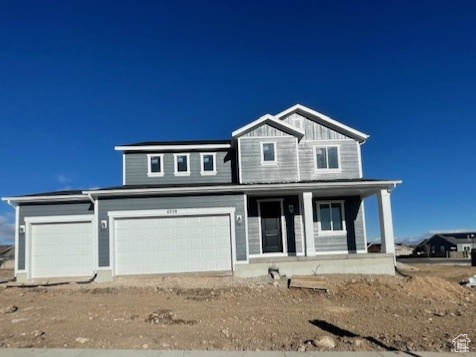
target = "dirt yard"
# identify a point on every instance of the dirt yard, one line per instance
(419, 313)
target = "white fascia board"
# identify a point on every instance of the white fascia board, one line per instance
(263, 120)
(331, 122)
(370, 185)
(46, 198)
(173, 147)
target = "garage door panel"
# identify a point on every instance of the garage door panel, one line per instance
(172, 244)
(62, 249)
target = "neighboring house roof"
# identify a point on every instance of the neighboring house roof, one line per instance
(272, 121)
(7, 252)
(324, 120)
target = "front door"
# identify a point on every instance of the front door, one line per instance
(271, 235)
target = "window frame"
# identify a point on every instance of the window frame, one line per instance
(149, 165)
(327, 170)
(330, 232)
(176, 171)
(202, 168)
(275, 150)
(300, 121)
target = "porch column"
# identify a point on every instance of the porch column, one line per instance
(386, 226)
(308, 224)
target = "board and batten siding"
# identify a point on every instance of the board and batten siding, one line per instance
(265, 130)
(354, 240)
(253, 171)
(136, 168)
(175, 202)
(293, 231)
(313, 130)
(47, 209)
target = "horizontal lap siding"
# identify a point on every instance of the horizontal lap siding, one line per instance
(349, 160)
(136, 167)
(176, 202)
(252, 171)
(354, 239)
(50, 209)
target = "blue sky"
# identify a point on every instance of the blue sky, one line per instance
(79, 77)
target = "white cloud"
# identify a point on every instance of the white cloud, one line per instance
(63, 178)
(7, 231)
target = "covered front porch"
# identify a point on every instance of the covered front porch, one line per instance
(317, 227)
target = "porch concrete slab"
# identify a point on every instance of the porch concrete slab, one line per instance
(362, 263)
(43, 352)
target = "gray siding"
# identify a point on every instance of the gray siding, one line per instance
(349, 160)
(176, 202)
(50, 209)
(265, 130)
(136, 169)
(292, 223)
(354, 239)
(315, 131)
(252, 171)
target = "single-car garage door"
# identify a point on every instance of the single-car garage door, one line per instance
(155, 245)
(62, 249)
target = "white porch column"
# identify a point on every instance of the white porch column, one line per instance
(308, 223)
(386, 224)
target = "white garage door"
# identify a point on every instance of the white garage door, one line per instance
(172, 244)
(62, 249)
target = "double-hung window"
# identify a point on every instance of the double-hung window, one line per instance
(327, 158)
(182, 164)
(155, 165)
(331, 217)
(208, 164)
(268, 153)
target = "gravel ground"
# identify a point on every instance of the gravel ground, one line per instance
(421, 312)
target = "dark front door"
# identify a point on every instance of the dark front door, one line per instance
(271, 235)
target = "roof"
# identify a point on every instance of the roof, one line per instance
(270, 120)
(7, 251)
(366, 187)
(324, 120)
(176, 145)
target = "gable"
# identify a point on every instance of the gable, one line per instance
(265, 130)
(269, 120)
(324, 121)
(313, 130)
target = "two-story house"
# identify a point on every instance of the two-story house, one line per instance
(286, 192)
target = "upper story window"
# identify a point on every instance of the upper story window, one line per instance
(330, 217)
(268, 153)
(208, 164)
(155, 165)
(182, 164)
(327, 158)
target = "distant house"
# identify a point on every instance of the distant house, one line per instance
(7, 256)
(400, 249)
(440, 244)
(374, 247)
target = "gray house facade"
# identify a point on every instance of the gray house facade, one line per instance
(285, 192)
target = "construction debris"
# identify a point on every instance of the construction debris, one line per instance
(308, 282)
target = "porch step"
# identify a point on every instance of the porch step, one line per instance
(308, 282)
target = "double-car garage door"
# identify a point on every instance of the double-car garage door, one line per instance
(139, 245)
(172, 244)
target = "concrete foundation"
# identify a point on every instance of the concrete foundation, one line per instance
(103, 276)
(21, 277)
(325, 264)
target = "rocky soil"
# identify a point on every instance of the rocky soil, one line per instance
(422, 312)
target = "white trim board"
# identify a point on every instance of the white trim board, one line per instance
(172, 147)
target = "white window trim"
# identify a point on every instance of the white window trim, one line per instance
(208, 173)
(181, 173)
(320, 232)
(275, 161)
(327, 170)
(149, 165)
